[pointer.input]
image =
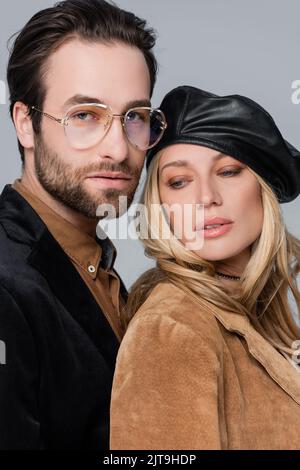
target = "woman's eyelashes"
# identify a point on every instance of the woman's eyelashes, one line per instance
(231, 172)
(181, 182)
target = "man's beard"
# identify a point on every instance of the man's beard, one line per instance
(66, 184)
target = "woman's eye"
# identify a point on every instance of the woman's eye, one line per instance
(231, 172)
(177, 184)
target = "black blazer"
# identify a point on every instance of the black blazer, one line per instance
(55, 382)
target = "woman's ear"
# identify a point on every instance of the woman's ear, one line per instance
(23, 125)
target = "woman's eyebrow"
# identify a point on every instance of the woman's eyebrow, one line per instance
(176, 163)
(184, 163)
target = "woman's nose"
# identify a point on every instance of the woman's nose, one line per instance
(208, 193)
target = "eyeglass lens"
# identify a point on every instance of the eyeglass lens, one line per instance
(86, 125)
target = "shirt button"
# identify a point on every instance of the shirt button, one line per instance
(91, 269)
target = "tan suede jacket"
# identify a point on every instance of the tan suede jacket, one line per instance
(189, 379)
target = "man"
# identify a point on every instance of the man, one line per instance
(75, 70)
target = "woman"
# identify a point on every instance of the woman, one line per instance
(210, 358)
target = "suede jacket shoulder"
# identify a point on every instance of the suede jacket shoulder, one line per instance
(193, 379)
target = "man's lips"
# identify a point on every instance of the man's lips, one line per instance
(110, 175)
(107, 180)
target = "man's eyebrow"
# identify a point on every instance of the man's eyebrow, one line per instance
(136, 104)
(184, 163)
(80, 99)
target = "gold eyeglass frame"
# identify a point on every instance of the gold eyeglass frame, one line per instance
(111, 116)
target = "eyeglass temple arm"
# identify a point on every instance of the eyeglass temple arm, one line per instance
(60, 121)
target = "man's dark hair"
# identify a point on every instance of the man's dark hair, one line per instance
(90, 20)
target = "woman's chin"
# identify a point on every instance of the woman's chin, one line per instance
(213, 256)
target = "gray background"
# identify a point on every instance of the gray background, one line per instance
(223, 46)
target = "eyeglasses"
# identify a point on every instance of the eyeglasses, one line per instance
(85, 125)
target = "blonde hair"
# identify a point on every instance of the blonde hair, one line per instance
(266, 283)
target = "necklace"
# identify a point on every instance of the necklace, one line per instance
(228, 276)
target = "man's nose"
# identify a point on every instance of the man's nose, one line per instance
(115, 145)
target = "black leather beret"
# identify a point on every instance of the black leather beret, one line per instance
(234, 125)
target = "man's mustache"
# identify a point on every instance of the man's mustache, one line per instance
(109, 167)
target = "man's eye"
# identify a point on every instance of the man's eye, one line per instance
(134, 116)
(84, 116)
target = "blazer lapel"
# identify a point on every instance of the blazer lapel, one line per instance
(65, 282)
(23, 225)
(287, 377)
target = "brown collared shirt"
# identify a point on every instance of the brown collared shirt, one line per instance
(93, 260)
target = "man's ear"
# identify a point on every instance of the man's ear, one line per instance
(23, 125)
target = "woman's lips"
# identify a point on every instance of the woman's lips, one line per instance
(217, 231)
